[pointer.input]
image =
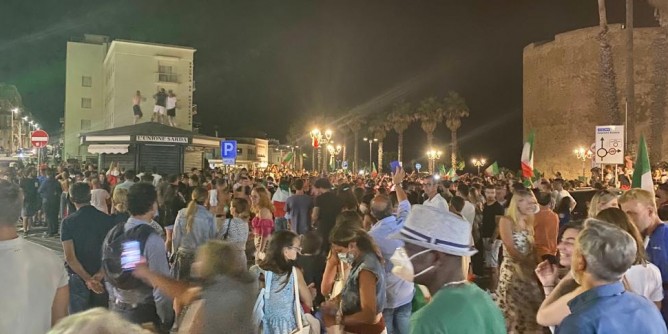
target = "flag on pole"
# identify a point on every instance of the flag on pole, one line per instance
(493, 169)
(374, 171)
(288, 157)
(642, 174)
(442, 170)
(452, 174)
(527, 157)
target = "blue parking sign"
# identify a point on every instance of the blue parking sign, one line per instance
(228, 151)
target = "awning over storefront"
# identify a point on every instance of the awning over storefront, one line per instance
(108, 149)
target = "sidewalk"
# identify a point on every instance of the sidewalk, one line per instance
(36, 236)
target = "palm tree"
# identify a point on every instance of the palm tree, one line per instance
(455, 109)
(608, 76)
(378, 127)
(400, 119)
(430, 113)
(630, 84)
(355, 123)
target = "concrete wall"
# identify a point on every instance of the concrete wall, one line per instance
(83, 59)
(563, 98)
(134, 66)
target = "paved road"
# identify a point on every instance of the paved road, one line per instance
(53, 243)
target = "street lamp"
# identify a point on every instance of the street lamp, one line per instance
(433, 155)
(319, 139)
(583, 155)
(478, 162)
(371, 141)
(11, 146)
(333, 152)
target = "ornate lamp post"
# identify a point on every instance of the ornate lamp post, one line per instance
(433, 155)
(318, 139)
(478, 162)
(333, 153)
(370, 141)
(583, 155)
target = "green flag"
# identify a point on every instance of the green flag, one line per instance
(493, 169)
(642, 173)
(288, 157)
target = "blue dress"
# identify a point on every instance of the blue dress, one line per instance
(279, 305)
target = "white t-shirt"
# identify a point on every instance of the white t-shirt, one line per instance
(156, 179)
(468, 212)
(98, 199)
(30, 276)
(171, 102)
(437, 202)
(646, 281)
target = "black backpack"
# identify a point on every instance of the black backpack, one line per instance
(111, 255)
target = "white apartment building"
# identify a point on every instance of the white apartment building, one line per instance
(102, 76)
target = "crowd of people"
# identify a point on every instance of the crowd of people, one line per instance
(282, 251)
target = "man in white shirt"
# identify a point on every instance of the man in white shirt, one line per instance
(99, 197)
(434, 199)
(468, 212)
(35, 291)
(558, 185)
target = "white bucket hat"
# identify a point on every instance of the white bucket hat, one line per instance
(437, 229)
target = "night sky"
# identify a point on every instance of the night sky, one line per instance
(260, 64)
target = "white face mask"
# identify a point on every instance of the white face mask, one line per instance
(403, 267)
(346, 257)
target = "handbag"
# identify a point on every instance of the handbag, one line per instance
(258, 308)
(301, 328)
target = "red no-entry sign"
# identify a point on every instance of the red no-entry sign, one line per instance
(39, 138)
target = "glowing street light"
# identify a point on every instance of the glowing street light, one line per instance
(433, 155)
(333, 152)
(371, 141)
(583, 155)
(478, 162)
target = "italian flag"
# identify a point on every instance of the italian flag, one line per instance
(374, 171)
(453, 174)
(288, 157)
(442, 170)
(527, 157)
(642, 174)
(493, 169)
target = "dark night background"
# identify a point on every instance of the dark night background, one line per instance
(260, 64)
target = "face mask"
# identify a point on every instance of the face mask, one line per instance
(403, 267)
(346, 257)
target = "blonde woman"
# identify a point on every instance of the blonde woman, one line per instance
(602, 200)
(518, 293)
(194, 226)
(263, 222)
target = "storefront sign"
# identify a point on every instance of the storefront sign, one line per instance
(163, 139)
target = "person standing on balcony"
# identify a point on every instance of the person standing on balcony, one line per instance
(160, 106)
(171, 107)
(136, 106)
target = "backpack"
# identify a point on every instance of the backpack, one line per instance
(111, 254)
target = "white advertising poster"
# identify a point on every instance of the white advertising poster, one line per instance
(609, 144)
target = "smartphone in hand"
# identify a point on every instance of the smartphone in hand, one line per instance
(394, 165)
(130, 255)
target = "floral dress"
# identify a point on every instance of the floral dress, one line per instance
(279, 306)
(518, 293)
